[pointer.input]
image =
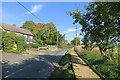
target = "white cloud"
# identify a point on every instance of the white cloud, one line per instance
(36, 8)
(71, 30)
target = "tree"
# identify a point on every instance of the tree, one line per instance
(28, 25)
(73, 42)
(44, 34)
(100, 25)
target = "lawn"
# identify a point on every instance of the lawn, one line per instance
(109, 68)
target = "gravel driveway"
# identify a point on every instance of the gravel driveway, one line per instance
(23, 66)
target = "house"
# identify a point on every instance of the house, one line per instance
(29, 38)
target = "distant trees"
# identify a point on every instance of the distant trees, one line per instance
(100, 24)
(44, 34)
(73, 42)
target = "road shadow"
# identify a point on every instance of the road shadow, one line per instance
(37, 67)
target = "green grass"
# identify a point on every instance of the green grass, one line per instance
(109, 68)
(65, 73)
(66, 59)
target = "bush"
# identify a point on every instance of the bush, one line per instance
(34, 45)
(0, 39)
(13, 43)
(62, 45)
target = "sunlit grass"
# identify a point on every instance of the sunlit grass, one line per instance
(109, 68)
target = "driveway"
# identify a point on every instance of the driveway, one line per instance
(23, 66)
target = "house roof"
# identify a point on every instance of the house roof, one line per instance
(15, 29)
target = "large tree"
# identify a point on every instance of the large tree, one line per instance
(28, 25)
(100, 25)
(44, 34)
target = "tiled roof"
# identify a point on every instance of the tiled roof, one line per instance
(15, 29)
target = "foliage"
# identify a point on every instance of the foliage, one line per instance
(21, 43)
(13, 43)
(28, 25)
(109, 69)
(73, 42)
(66, 58)
(100, 25)
(0, 38)
(44, 34)
(34, 45)
(65, 73)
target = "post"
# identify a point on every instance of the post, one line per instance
(76, 35)
(57, 39)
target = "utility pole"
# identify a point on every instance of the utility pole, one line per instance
(76, 35)
(57, 39)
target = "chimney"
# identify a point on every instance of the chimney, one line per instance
(14, 25)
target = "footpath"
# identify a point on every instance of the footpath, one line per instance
(81, 69)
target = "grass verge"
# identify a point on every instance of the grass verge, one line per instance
(108, 69)
(66, 70)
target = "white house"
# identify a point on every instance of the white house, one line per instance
(29, 38)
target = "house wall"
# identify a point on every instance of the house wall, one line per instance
(0, 27)
(28, 39)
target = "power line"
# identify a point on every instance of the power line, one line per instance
(29, 11)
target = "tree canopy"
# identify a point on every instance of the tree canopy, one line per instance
(100, 24)
(44, 34)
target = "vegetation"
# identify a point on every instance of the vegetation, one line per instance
(0, 39)
(73, 42)
(108, 69)
(101, 29)
(45, 34)
(13, 43)
(100, 25)
(66, 72)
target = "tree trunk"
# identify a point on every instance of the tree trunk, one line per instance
(103, 53)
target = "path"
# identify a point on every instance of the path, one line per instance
(81, 69)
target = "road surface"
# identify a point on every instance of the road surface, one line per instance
(40, 66)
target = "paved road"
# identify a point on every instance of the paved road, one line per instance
(40, 66)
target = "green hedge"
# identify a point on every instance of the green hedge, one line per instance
(13, 43)
(34, 45)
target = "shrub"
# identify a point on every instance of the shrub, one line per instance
(21, 43)
(13, 43)
(34, 45)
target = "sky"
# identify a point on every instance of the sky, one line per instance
(56, 12)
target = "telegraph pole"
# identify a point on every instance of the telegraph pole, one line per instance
(57, 39)
(76, 35)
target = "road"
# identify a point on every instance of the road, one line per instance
(40, 66)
